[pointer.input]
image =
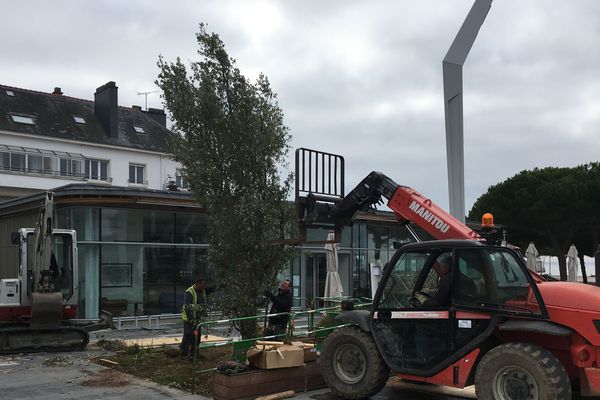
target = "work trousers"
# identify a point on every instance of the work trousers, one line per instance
(189, 340)
(276, 329)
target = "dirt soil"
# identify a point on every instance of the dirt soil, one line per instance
(164, 366)
(106, 378)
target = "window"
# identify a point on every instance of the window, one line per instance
(139, 129)
(180, 181)
(20, 119)
(76, 168)
(17, 162)
(10, 93)
(493, 278)
(50, 165)
(5, 161)
(401, 283)
(64, 167)
(79, 120)
(70, 167)
(136, 174)
(96, 169)
(39, 161)
(34, 163)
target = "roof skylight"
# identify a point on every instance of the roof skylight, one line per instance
(139, 129)
(20, 119)
(79, 120)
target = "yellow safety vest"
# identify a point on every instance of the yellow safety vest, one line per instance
(192, 291)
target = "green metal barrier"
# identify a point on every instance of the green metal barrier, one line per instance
(240, 347)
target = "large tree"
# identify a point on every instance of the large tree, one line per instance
(232, 143)
(554, 207)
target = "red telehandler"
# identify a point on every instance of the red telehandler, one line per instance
(37, 307)
(504, 328)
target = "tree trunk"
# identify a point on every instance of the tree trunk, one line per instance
(597, 266)
(582, 263)
(562, 266)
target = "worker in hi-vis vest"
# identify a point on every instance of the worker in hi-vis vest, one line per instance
(194, 297)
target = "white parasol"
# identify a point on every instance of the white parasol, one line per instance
(572, 264)
(333, 283)
(532, 259)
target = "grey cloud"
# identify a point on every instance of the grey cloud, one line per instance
(362, 79)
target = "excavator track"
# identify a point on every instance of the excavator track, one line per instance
(24, 339)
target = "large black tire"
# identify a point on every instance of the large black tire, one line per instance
(521, 371)
(351, 364)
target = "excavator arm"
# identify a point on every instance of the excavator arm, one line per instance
(324, 207)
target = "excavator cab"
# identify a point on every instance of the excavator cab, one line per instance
(56, 272)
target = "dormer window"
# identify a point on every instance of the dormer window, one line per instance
(139, 129)
(10, 93)
(20, 119)
(79, 120)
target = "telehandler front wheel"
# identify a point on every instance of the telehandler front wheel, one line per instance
(521, 371)
(351, 364)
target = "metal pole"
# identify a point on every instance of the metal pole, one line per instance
(453, 104)
(597, 266)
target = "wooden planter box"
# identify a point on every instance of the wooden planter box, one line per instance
(251, 384)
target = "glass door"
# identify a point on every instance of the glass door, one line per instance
(315, 265)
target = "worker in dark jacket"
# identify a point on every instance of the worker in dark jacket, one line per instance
(282, 303)
(443, 293)
(194, 300)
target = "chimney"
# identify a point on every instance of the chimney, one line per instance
(57, 92)
(157, 115)
(106, 108)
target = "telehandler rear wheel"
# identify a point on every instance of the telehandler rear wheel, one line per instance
(521, 371)
(351, 364)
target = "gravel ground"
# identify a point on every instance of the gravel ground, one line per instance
(61, 376)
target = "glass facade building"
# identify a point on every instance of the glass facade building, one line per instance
(139, 249)
(135, 261)
(141, 261)
(365, 246)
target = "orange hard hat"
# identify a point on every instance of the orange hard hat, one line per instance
(487, 220)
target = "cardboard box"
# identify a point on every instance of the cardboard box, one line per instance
(270, 357)
(310, 354)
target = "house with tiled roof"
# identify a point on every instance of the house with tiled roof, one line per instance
(49, 140)
(113, 183)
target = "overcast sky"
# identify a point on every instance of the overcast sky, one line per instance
(358, 78)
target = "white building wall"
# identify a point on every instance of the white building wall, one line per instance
(158, 166)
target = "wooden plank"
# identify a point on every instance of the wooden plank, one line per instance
(249, 385)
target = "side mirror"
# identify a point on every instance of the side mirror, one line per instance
(14, 238)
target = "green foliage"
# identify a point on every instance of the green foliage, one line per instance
(231, 142)
(553, 207)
